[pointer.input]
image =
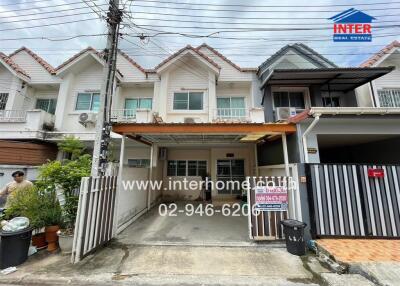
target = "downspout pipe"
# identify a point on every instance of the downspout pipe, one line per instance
(304, 137)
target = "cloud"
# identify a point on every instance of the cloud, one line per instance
(248, 48)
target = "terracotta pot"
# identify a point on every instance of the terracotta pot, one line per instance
(52, 237)
(39, 240)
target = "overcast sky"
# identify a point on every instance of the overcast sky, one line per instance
(237, 28)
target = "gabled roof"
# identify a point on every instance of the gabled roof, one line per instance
(181, 51)
(14, 67)
(76, 56)
(129, 59)
(204, 45)
(352, 16)
(37, 58)
(382, 53)
(302, 50)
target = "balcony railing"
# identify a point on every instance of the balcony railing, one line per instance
(231, 114)
(123, 115)
(12, 115)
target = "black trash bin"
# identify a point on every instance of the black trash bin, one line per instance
(14, 247)
(294, 236)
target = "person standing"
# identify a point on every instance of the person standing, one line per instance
(14, 186)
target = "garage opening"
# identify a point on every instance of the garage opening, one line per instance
(359, 148)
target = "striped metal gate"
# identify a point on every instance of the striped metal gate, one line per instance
(266, 225)
(95, 217)
(345, 201)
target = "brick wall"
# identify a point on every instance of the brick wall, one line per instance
(24, 153)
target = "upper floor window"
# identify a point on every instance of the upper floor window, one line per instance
(3, 100)
(46, 104)
(389, 97)
(88, 101)
(231, 107)
(289, 99)
(135, 103)
(188, 100)
(331, 101)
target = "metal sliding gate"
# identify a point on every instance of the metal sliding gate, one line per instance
(95, 218)
(266, 225)
(350, 200)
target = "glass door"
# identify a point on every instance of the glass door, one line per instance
(231, 170)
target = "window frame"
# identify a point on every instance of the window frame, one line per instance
(49, 104)
(288, 98)
(3, 102)
(141, 163)
(188, 92)
(331, 97)
(392, 96)
(186, 167)
(138, 99)
(92, 93)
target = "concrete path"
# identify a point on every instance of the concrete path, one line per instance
(167, 265)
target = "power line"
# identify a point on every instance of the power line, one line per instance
(43, 7)
(65, 38)
(258, 11)
(241, 17)
(45, 18)
(264, 6)
(47, 25)
(27, 2)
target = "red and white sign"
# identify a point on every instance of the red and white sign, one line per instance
(269, 198)
(376, 173)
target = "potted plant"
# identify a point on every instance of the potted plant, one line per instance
(62, 180)
(28, 203)
(52, 217)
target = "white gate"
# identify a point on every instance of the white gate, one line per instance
(95, 218)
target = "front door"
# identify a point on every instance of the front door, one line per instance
(230, 170)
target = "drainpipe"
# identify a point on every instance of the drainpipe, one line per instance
(304, 137)
(150, 177)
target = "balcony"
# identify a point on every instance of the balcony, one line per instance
(255, 115)
(140, 115)
(21, 124)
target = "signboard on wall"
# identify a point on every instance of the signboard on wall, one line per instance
(376, 173)
(271, 198)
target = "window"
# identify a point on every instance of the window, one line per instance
(48, 105)
(186, 168)
(389, 97)
(131, 104)
(289, 99)
(3, 100)
(139, 163)
(331, 101)
(231, 107)
(188, 101)
(88, 101)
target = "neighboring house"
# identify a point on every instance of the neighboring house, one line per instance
(344, 151)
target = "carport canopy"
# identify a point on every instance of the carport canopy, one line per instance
(202, 132)
(334, 79)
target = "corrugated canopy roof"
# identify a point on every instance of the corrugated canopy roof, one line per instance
(338, 79)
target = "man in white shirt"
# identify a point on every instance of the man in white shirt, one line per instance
(17, 184)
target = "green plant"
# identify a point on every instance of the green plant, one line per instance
(27, 202)
(65, 175)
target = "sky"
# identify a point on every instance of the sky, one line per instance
(247, 31)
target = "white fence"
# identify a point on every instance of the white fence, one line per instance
(95, 219)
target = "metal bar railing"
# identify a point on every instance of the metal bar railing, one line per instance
(231, 113)
(12, 115)
(123, 115)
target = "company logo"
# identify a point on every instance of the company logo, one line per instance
(352, 26)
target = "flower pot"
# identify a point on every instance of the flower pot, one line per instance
(52, 237)
(65, 242)
(39, 240)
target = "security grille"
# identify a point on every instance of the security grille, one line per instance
(3, 100)
(389, 97)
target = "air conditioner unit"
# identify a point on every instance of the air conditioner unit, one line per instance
(162, 153)
(284, 113)
(87, 118)
(189, 120)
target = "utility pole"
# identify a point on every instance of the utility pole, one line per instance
(103, 126)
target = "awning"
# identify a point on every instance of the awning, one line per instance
(336, 79)
(202, 133)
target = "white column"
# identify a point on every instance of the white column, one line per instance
(150, 177)
(285, 154)
(212, 96)
(63, 94)
(163, 96)
(13, 94)
(119, 183)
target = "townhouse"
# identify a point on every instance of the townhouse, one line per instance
(198, 114)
